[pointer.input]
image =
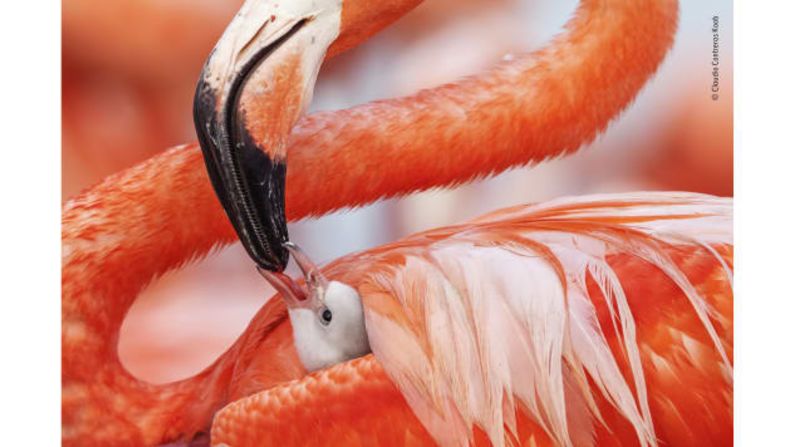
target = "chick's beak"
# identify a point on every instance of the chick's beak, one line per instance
(315, 280)
(293, 294)
(308, 295)
(252, 89)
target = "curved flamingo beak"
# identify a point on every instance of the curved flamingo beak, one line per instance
(253, 88)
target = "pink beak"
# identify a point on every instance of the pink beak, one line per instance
(306, 295)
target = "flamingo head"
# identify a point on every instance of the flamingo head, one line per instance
(327, 316)
(253, 88)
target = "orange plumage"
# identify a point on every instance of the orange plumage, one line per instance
(688, 384)
(140, 223)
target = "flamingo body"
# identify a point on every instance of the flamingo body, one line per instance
(603, 320)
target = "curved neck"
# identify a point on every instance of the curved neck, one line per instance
(541, 105)
(115, 239)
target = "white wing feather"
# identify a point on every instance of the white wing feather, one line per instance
(503, 327)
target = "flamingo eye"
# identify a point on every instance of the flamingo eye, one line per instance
(326, 316)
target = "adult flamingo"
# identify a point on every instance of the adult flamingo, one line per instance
(140, 223)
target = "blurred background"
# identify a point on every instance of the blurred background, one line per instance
(130, 67)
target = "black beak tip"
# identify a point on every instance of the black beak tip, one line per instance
(275, 263)
(283, 257)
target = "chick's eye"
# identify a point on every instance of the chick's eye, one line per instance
(326, 316)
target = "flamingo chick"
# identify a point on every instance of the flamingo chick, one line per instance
(327, 316)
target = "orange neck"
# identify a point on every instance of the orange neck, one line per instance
(362, 19)
(542, 105)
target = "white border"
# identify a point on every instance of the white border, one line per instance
(30, 172)
(29, 235)
(764, 223)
